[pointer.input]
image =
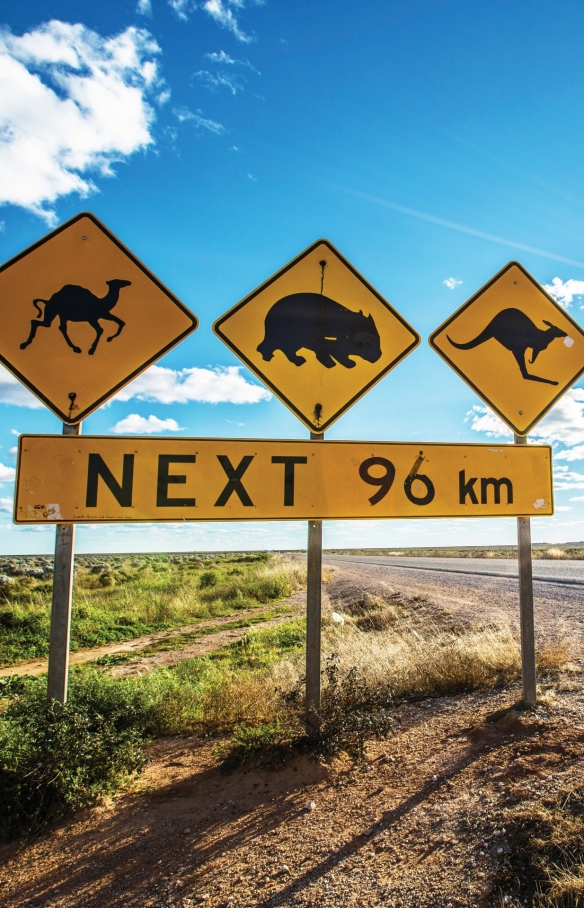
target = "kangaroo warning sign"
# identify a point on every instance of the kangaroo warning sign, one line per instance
(515, 346)
(317, 334)
(78, 479)
(81, 316)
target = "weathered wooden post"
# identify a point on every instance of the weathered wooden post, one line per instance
(526, 618)
(313, 619)
(61, 604)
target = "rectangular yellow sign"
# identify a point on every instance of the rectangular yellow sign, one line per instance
(97, 479)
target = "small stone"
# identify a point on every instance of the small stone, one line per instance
(311, 805)
(441, 839)
(338, 619)
(434, 778)
(499, 850)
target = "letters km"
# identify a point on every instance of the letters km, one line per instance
(466, 489)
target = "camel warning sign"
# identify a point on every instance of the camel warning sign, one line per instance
(101, 479)
(317, 334)
(82, 316)
(515, 346)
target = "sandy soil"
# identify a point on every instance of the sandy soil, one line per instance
(419, 825)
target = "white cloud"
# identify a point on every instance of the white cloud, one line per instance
(452, 282)
(223, 384)
(142, 425)
(565, 291)
(484, 420)
(222, 57)
(13, 452)
(576, 453)
(559, 507)
(184, 115)
(564, 423)
(7, 474)
(12, 391)
(144, 8)
(577, 498)
(181, 8)
(222, 12)
(6, 504)
(564, 478)
(71, 103)
(214, 81)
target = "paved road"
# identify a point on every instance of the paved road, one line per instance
(481, 588)
(555, 572)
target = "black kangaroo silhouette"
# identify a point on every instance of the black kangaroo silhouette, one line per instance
(516, 332)
(77, 304)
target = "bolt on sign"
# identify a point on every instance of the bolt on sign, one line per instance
(106, 479)
(82, 316)
(317, 334)
(515, 346)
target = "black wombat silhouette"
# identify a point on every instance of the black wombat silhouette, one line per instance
(318, 323)
(517, 333)
(77, 304)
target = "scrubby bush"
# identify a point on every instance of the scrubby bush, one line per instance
(55, 759)
(208, 578)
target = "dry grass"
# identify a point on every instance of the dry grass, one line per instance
(555, 553)
(391, 650)
(548, 851)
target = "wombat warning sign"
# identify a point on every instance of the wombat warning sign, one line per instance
(317, 334)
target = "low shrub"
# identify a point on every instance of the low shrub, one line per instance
(55, 759)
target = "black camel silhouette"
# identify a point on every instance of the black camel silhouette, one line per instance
(514, 330)
(77, 304)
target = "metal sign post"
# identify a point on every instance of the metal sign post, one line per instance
(313, 619)
(61, 606)
(526, 605)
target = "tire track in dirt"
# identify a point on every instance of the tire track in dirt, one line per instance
(208, 643)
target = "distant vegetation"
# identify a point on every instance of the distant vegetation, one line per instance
(126, 596)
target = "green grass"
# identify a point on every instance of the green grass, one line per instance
(122, 597)
(56, 760)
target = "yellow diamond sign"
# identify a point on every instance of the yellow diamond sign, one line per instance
(515, 346)
(81, 316)
(317, 334)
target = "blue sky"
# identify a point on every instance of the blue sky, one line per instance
(431, 142)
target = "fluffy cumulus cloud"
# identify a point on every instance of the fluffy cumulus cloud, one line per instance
(7, 474)
(563, 424)
(223, 384)
(565, 291)
(6, 504)
(564, 478)
(71, 104)
(142, 425)
(13, 392)
(144, 7)
(452, 282)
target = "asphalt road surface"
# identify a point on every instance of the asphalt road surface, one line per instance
(481, 588)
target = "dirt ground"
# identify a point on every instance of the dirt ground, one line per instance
(419, 824)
